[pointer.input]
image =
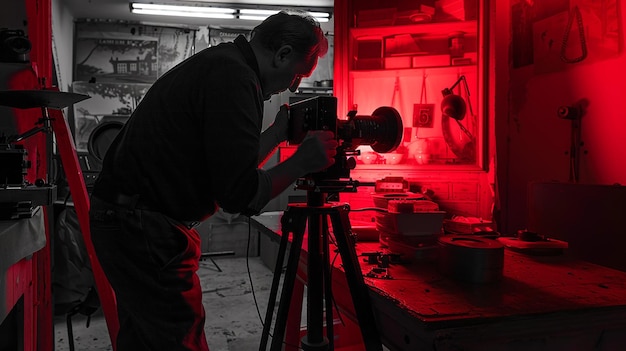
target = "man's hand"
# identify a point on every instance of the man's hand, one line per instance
(274, 135)
(317, 151)
(281, 123)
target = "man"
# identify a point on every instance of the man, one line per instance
(194, 144)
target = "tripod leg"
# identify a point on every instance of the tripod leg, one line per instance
(278, 268)
(297, 226)
(354, 277)
(315, 283)
(292, 330)
(328, 289)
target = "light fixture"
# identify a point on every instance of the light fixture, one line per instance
(260, 15)
(454, 106)
(255, 14)
(211, 12)
(182, 11)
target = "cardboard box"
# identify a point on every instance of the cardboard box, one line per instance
(401, 44)
(410, 224)
(469, 58)
(430, 61)
(376, 18)
(398, 62)
(217, 235)
(269, 246)
(365, 64)
(464, 10)
(369, 54)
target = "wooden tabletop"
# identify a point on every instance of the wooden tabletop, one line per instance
(530, 285)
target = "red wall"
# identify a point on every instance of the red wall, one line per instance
(533, 141)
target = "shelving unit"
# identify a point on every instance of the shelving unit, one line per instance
(384, 58)
(413, 46)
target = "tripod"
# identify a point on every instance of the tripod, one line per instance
(319, 288)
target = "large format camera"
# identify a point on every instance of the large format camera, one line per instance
(382, 131)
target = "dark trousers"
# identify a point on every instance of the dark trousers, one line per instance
(151, 262)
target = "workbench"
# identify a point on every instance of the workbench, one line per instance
(541, 302)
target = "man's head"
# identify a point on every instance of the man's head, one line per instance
(287, 46)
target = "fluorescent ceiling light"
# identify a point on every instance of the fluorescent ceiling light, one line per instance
(282, 3)
(257, 12)
(260, 15)
(320, 15)
(211, 12)
(252, 18)
(182, 11)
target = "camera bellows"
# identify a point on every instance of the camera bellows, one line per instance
(471, 259)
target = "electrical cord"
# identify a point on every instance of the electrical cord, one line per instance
(256, 304)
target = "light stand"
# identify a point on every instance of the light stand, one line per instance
(574, 113)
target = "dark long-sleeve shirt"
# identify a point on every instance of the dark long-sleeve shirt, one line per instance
(193, 141)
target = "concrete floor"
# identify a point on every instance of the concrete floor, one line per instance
(233, 325)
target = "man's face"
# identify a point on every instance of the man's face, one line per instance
(289, 72)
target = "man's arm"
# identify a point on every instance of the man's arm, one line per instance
(316, 152)
(274, 134)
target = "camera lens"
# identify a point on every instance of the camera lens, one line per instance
(382, 130)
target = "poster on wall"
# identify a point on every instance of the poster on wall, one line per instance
(115, 57)
(175, 45)
(123, 52)
(223, 35)
(115, 64)
(109, 101)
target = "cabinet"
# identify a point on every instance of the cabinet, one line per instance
(404, 54)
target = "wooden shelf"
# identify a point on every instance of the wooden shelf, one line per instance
(410, 71)
(430, 29)
(358, 72)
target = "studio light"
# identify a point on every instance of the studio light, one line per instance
(212, 12)
(454, 106)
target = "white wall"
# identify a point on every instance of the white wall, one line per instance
(62, 44)
(533, 141)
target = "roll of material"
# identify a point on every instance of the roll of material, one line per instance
(471, 259)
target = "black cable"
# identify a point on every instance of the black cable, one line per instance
(256, 304)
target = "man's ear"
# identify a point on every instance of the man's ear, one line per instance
(283, 55)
